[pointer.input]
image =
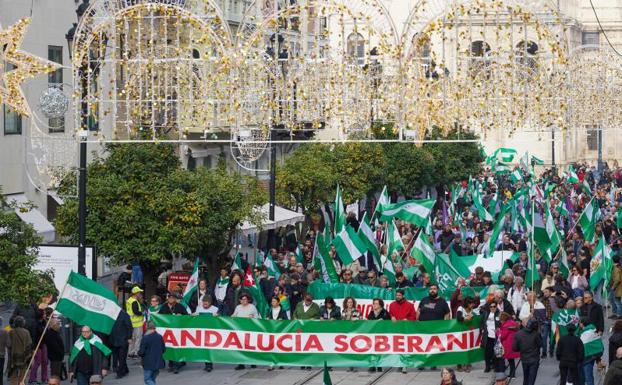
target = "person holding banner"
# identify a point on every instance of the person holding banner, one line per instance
(378, 312)
(172, 306)
(276, 312)
(330, 311)
(402, 310)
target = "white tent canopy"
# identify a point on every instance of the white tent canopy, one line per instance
(42, 226)
(282, 217)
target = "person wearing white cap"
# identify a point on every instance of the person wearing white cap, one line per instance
(134, 308)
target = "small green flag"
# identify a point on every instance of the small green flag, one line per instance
(327, 380)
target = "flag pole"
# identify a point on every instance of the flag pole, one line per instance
(47, 325)
(571, 229)
(533, 216)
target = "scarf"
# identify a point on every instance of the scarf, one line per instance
(85, 343)
(222, 281)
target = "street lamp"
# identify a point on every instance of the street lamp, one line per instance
(83, 134)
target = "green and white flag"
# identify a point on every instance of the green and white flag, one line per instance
(394, 240)
(587, 220)
(348, 245)
(571, 176)
(383, 200)
(601, 264)
(237, 262)
(492, 205)
(271, 268)
(366, 234)
(540, 234)
(340, 216)
(585, 186)
(193, 284)
(299, 256)
(537, 161)
(497, 231)
(592, 341)
(446, 274)
(322, 262)
(259, 257)
(507, 154)
(560, 208)
(412, 211)
(516, 176)
(564, 269)
(87, 345)
(552, 233)
(327, 380)
(619, 218)
(524, 162)
(423, 252)
(86, 302)
(388, 270)
(560, 320)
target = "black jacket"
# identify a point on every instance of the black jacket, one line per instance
(282, 315)
(384, 315)
(89, 365)
(121, 330)
(55, 345)
(151, 350)
(484, 313)
(569, 351)
(614, 373)
(615, 341)
(594, 313)
(177, 309)
(230, 299)
(528, 342)
(194, 301)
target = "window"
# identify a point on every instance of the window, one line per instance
(592, 138)
(590, 38)
(12, 120)
(480, 59)
(356, 47)
(55, 54)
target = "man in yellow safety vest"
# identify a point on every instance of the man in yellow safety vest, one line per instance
(134, 308)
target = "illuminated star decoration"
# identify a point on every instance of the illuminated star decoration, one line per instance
(27, 66)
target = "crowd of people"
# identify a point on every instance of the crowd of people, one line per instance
(517, 320)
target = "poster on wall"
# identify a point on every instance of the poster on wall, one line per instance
(62, 260)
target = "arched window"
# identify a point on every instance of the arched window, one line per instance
(526, 52)
(356, 47)
(480, 58)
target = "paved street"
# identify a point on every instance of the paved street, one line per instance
(224, 374)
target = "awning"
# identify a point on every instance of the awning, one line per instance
(282, 217)
(42, 226)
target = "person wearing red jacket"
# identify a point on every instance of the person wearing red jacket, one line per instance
(401, 309)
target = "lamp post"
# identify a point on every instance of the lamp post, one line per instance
(83, 134)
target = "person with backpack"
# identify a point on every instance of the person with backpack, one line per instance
(570, 354)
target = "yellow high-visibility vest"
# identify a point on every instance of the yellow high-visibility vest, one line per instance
(137, 319)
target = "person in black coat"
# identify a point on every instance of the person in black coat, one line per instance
(593, 311)
(172, 306)
(119, 339)
(234, 292)
(276, 312)
(570, 354)
(378, 312)
(55, 348)
(615, 341)
(85, 365)
(151, 350)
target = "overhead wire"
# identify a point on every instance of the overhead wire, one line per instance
(602, 30)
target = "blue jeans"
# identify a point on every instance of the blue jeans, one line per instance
(545, 333)
(588, 372)
(82, 378)
(530, 372)
(150, 376)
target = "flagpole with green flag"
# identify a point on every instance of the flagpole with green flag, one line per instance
(533, 207)
(326, 380)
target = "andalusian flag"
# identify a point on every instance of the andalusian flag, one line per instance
(383, 200)
(571, 176)
(540, 235)
(86, 302)
(193, 284)
(327, 380)
(237, 262)
(507, 154)
(394, 240)
(423, 252)
(516, 176)
(484, 215)
(587, 220)
(348, 245)
(445, 273)
(366, 234)
(592, 342)
(271, 268)
(413, 211)
(601, 264)
(388, 270)
(497, 231)
(560, 320)
(340, 216)
(561, 209)
(564, 269)
(552, 232)
(299, 256)
(87, 344)
(322, 262)
(537, 161)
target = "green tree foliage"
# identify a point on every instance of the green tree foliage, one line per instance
(142, 206)
(18, 256)
(309, 176)
(454, 161)
(408, 169)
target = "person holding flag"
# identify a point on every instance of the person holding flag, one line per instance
(220, 289)
(134, 308)
(88, 357)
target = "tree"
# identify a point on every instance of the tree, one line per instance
(142, 206)
(408, 168)
(357, 169)
(18, 256)
(455, 161)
